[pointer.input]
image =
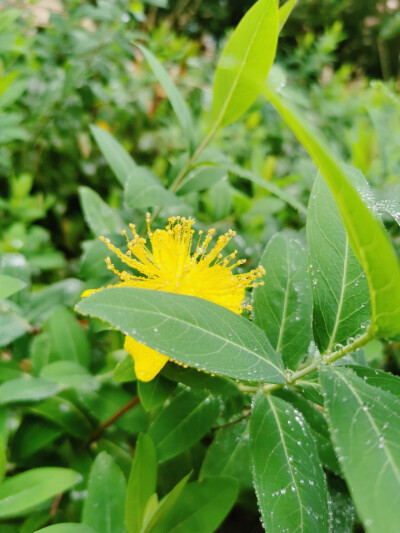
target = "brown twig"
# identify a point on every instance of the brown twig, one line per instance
(114, 417)
(55, 505)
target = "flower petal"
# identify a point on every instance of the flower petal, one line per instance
(148, 362)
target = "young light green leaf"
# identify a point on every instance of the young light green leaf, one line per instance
(285, 11)
(99, 216)
(245, 62)
(211, 337)
(103, 509)
(178, 103)
(125, 370)
(163, 509)
(117, 157)
(341, 296)
(365, 424)
(201, 507)
(68, 340)
(154, 393)
(144, 190)
(66, 528)
(22, 492)
(289, 480)
(27, 390)
(183, 422)
(3, 460)
(9, 286)
(283, 305)
(229, 454)
(141, 484)
(367, 236)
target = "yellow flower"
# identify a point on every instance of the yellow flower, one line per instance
(170, 266)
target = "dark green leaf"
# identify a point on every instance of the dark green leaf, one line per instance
(31, 436)
(154, 393)
(378, 378)
(183, 422)
(103, 509)
(211, 337)
(289, 480)
(365, 423)
(283, 305)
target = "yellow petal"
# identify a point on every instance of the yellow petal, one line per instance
(148, 362)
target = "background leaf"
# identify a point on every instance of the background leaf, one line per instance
(183, 422)
(341, 296)
(211, 338)
(100, 218)
(283, 305)
(27, 390)
(245, 62)
(9, 286)
(365, 424)
(22, 492)
(143, 190)
(103, 509)
(289, 480)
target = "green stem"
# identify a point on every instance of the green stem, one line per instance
(326, 359)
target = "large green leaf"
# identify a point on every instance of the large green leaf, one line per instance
(143, 190)
(9, 286)
(68, 340)
(283, 306)
(178, 103)
(201, 507)
(116, 156)
(67, 528)
(103, 509)
(365, 424)
(367, 236)
(341, 296)
(245, 62)
(99, 216)
(142, 483)
(183, 422)
(289, 480)
(22, 492)
(190, 330)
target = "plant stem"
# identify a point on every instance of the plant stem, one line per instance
(326, 359)
(114, 418)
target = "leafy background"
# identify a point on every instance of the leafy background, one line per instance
(79, 436)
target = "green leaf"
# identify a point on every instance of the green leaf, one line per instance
(12, 324)
(378, 378)
(9, 286)
(125, 370)
(201, 178)
(283, 305)
(163, 509)
(144, 190)
(68, 340)
(154, 393)
(245, 62)
(229, 454)
(201, 507)
(117, 157)
(365, 423)
(142, 483)
(99, 216)
(183, 422)
(103, 509)
(367, 236)
(289, 480)
(67, 528)
(211, 337)
(69, 374)
(22, 492)
(3, 460)
(341, 296)
(178, 103)
(200, 381)
(65, 415)
(285, 11)
(27, 390)
(32, 435)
